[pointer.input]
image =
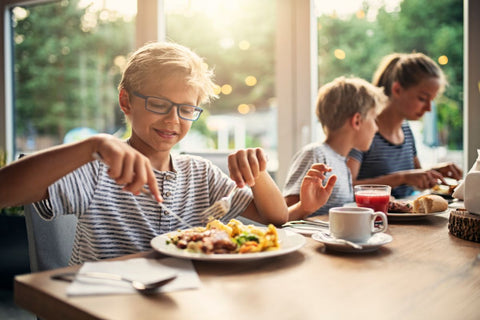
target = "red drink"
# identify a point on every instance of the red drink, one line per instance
(377, 200)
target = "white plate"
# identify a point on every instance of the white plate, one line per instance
(375, 242)
(289, 242)
(411, 216)
(397, 216)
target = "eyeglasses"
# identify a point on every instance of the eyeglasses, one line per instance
(163, 106)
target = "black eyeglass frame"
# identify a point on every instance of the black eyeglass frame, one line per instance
(172, 104)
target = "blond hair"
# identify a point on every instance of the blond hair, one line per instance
(408, 70)
(162, 60)
(342, 98)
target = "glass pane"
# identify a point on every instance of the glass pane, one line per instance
(353, 36)
(68, 58)
(237, 39)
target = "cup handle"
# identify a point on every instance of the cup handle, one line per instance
(384, 219)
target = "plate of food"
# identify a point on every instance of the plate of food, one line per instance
(423, 206)
(233, 241)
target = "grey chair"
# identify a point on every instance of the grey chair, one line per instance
(49, 242)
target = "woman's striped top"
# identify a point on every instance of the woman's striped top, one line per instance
(384, 157)
(112, 222)
(321, 153)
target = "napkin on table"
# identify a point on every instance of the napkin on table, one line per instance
(459, 192)
(142, 269)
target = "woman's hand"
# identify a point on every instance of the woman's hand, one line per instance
(449, 170)
(422, 179)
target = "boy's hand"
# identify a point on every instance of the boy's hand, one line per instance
(313, 194)
(245, 165)
(127, 166)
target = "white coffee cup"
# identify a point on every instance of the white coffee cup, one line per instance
(355, 224)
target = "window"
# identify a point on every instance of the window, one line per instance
(293, 52)
(354, 36)
(237, 40)
(68, 57)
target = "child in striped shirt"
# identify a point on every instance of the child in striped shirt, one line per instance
(346, 108)
(160, 93)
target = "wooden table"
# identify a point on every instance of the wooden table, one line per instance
(425, 273)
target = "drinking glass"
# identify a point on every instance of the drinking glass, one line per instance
(374, 196)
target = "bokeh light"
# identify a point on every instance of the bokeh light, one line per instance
(243, 108)
(443, 60)
(339, 54)
(19, 13)
(227, 43)
(250, 81)
(244, 45)
(360, 14)
(227, 89)
(217, 89)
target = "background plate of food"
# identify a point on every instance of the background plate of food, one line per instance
(228, 242)
(412, 209)
(421, 207)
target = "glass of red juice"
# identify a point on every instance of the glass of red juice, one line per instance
(374, 196)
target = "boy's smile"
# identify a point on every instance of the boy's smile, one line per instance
(167, 134)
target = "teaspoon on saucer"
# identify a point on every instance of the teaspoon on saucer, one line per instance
(327, 236)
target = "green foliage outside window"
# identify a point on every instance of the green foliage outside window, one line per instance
(65, 69)
(433, 27)
(66, 72)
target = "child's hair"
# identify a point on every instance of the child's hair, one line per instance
(342, 98)
(408, 70)
(163, 60)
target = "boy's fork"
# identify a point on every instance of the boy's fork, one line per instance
(221, 207)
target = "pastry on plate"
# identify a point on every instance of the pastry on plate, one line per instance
(429, 203)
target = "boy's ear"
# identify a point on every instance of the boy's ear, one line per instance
(356, 120)
(124, 101)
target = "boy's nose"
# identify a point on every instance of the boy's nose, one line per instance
(172, 115)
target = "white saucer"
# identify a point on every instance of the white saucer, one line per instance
(375, 242)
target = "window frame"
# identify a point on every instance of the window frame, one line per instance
(471, 83)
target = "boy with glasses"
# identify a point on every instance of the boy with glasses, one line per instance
(159, 93)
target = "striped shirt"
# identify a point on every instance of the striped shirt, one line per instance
(112, 222)
(384, 157)
(321, 153)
